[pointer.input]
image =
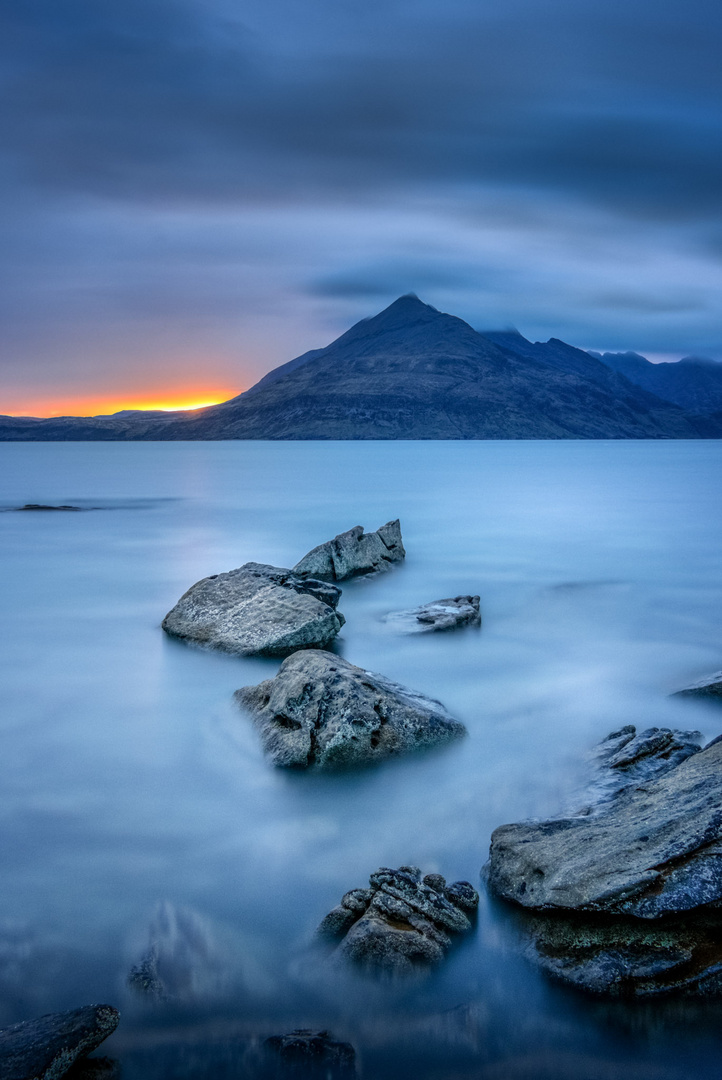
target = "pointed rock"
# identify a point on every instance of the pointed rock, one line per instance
(354, 552)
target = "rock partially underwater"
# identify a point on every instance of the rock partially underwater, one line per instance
(401, 922)
(711, 687)
(46, 1048)
(627, 896)
(354, 552)
(322, 711)
(312, 1054)
(438, 615)
(181, 961)
(257, 610)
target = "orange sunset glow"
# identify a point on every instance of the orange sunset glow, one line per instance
(177, 400)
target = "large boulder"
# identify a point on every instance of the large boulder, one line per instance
(257, 610)
(320, 710)
(402, 921)
(46, 1048)
(438, 615)
(354, 552)
(625, 897)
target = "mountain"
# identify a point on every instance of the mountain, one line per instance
(693, 383)
(412, 372)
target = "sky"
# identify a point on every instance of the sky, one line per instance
(195, 191)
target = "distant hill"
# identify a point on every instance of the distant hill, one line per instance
(693, 383)
(412, 372)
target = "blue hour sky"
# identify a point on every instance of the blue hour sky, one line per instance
(195, 191)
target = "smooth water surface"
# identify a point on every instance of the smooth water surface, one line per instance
(133, 790)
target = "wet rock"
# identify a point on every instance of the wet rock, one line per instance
(402, 922)
(41, 506)
(46, 1048)
(257, 610)
(354, 552)
(313, 1053)
(320, 710)
(438, 615)
(711, 687)
(181, 961)
(627, 757)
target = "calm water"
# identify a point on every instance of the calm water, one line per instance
(129, 781)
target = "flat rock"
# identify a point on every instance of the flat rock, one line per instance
(320, 710)
(711, 687)
(438, 615)
(354, 552)
(257, 610)
(46, 1048)
(313, 1053)
(654, 850)
(401, 922)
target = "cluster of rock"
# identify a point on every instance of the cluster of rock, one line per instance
(402, 921)
(48, 1047)
(626, 897)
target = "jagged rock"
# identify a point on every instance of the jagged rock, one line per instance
(711, 687)
(257, 610)
(402, 921)
(313, 1053)
(181, 961)
(438, 615)
(46, 1048)
(354, 552)
(320, 710)
(626, 897)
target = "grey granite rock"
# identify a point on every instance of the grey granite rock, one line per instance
(313, 1053)
(257, 610)
(711, 687)
(656, 849)
(401, 922)
(320, 710)
(354, 552)
(628, 758)
(438, 615)
(46, 1048)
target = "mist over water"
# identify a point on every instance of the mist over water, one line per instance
(136, 799)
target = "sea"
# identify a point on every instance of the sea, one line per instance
(137, 807)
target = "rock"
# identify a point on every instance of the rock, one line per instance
(438, 615)
(320, 710)
(627, 758)
(354, 552)
(656, 849)
(257, 610)
(100, 1068)
(313, 1053)
(182, 961)
(41, 506)
(711, 687)
(46, 1048)
(401, 922)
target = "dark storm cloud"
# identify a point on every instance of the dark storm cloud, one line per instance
(615, 103)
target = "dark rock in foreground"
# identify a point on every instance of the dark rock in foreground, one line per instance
(46, 1048)
(257, 610)
(711, 687)
(354, 552)
(401, 921)
(313, 1053)
(100, 1068)
(626, 898)
(438, 615)
(320, 710)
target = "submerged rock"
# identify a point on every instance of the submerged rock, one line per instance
(711, 687)
(257, 610)
(313, 1053)
(438, 615)
(46, 1048)
(181, 961)
(401, 921)
(42, 506)
(320, 710)
(354, 552)
(627, 897)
